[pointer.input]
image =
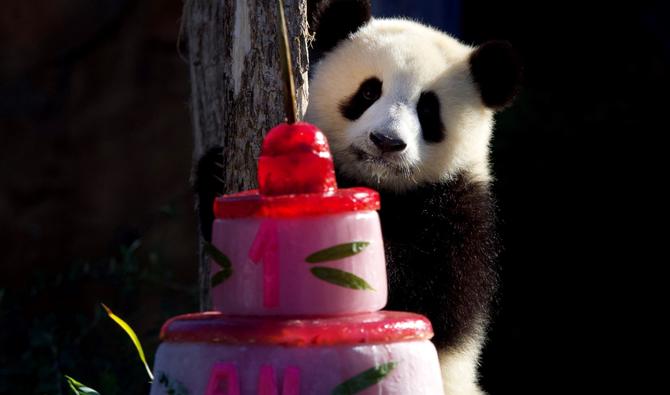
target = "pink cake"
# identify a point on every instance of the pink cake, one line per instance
(298, 282)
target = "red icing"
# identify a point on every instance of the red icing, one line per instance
(296, 178)
(295, 159)
(285, 139)
(223, 380)
(252, 204)
(377, 327)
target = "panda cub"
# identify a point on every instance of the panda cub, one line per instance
(408, 110)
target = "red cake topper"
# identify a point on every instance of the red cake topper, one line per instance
(295, 159)
(296, 178)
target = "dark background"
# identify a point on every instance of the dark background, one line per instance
(95, 202)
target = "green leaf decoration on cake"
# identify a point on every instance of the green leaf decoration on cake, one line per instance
(220, 277)
(338, 252)
(364, 380)
(341, 278)
(222, 260)
(79, 388)
(219, 257)
(172, 386)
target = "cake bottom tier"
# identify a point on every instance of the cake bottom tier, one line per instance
(405, 367)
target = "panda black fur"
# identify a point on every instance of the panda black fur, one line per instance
(408, 111)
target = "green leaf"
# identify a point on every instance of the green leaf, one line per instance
(219, 257)
(221, 276)
(133, 337)
(127, 252)
(341, 278)
(79, 388)
(364, 380)
(222, 260)
(338, 252)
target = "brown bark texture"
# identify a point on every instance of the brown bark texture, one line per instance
(236, 88)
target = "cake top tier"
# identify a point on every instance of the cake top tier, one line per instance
(296, 177)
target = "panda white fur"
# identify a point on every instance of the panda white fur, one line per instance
(408, 110)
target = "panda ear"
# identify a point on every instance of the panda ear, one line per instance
(496, 69)
(332, 21)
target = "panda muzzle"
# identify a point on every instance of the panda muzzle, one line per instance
(386, 143)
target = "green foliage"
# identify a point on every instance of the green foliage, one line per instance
(133, 337)
(79, 388)
(49, 328)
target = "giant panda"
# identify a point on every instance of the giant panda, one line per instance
(408, 110)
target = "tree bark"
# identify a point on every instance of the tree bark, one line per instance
(236, 94)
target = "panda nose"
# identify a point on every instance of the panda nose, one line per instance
(386, 143)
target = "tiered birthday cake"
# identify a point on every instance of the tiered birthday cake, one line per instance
(298, 282)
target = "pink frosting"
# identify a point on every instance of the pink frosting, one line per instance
(291, 385)
(265, 247)
(266, 381)
(223, 380)
(284, 283)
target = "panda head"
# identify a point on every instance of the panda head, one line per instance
(403, 104)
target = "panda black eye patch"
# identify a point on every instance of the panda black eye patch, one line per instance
(428, 109)
(368, 93)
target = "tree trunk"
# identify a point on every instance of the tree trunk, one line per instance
(236, 94)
